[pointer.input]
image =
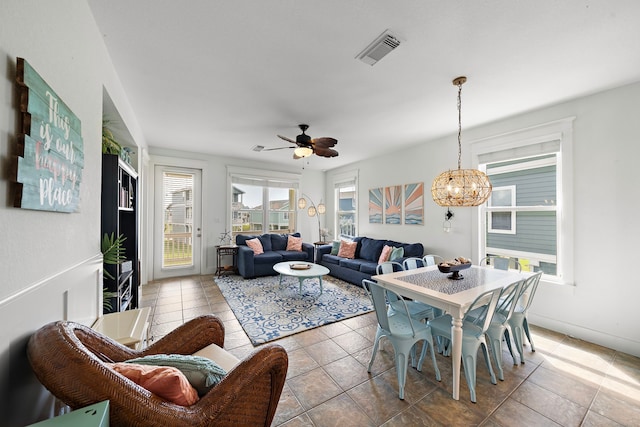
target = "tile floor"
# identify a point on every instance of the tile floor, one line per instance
(565, 382)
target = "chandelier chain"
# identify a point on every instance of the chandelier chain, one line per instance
(459, 124)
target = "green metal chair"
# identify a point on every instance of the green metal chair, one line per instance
(518, 321)
(474, 328)
(402, 331)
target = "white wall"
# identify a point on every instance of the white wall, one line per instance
(61, 41)
(601, 306)
(215, 217)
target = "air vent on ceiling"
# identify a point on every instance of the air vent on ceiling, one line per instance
(257, 147)
(380, 47)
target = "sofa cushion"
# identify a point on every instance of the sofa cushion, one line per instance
(266, 241)
(353, 264)
(370, 249)
(255, 245)
(385, 254)
(335, 247)
(267, 258)
(396, 253)
(368, 267)
(241, 239)
(331, 259)
(292, 255)
(413, 250)
(347, 249)
(294, 243)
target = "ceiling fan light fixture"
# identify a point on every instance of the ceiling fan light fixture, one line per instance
(461, 187)
(303, 151)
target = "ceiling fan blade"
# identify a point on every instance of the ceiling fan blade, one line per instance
(286, 139)
(324, 142)
(277, 148)
(325, 152)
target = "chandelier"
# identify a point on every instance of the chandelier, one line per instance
(461, 187)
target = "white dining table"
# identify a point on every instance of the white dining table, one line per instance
(429, 285)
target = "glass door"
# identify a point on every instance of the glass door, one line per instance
(177, 228)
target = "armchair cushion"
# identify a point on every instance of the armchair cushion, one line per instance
(202, 373)
(165, 381)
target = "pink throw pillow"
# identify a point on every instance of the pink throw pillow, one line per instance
(347, 249)
(294, 243)
(255, 245)
(165, 381)
(384, 256)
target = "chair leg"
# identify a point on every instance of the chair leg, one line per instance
(525, 325)
(507, 338)
(469, 366)
(487, 361)
(401, 368)
(375, 349)
(432, 350)
(496, 350)
(518, 338)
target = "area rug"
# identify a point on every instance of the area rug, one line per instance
(268, 310)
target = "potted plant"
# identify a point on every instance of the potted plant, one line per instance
(112, 254)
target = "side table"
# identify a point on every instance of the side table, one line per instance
(128, 327)
(227, 250)
(96, 415)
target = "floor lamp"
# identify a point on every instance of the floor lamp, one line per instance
(313, 210)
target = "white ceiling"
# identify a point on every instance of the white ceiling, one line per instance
(219, 77)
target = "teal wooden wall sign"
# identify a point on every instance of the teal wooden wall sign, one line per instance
(50, 148)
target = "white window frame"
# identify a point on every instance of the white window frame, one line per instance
(263, 177)
(512, 228)
(532, 140)
(343, 180)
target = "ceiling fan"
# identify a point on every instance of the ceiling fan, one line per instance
(306, 146)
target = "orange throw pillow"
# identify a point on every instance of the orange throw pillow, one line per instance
(164, 381)
(294, 243)
(256, 245)
(384, 256)
(347, 249)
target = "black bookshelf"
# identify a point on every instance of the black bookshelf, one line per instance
(120, 216)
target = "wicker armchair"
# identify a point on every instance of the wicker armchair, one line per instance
(68, 358)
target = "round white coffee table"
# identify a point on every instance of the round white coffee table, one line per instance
(299, 269)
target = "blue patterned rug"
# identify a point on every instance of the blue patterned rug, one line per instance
(268, 311)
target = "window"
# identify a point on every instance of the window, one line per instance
(502, 221)
(529, 214)
(346, 202)
(262, 204)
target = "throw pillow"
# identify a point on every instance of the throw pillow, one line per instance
(202, 373)
(335, 247)
(396, 253)
(167, 382)
(255, 245)
(294, 244)
(384, 256)
(347, 249)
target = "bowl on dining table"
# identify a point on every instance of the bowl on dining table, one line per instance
(455, 269)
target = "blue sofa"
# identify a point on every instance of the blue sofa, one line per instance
(363, 266)
(275, 251)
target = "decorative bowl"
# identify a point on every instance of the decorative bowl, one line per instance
(454, 269)
(300, 266)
